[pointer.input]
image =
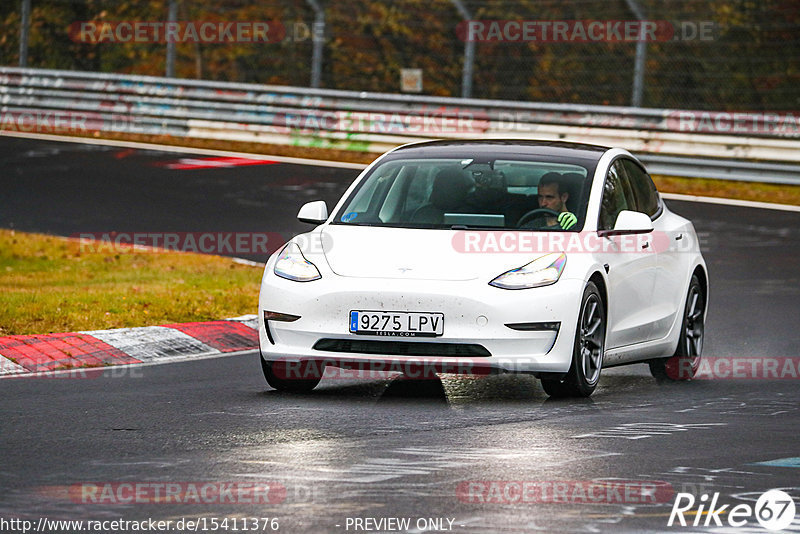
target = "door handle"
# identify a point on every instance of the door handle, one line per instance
(646, 244)
(678, 237)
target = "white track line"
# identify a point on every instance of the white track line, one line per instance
(119, 370)
(731, 202)
(184, 150)
(344, 165)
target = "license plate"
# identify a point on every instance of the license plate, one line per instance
(400, 324)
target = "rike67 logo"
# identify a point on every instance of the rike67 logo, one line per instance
(774, 510)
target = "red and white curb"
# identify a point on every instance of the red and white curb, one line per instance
(47, 353)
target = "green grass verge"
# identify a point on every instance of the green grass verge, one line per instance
(53, 284)
(775, 193)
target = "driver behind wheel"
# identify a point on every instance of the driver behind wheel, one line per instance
(552, 195)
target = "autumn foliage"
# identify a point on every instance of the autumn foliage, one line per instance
(749, 61)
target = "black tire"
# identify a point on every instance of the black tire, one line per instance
(587, 351)
(684, 363)
(276, 375)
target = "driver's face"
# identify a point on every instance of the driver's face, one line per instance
(550, 199)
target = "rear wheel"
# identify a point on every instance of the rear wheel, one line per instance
(587, 352)
(291, 377)
(684, 363)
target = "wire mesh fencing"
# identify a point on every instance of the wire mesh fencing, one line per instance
(735, 55)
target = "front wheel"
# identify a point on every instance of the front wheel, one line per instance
(684, 363)
(587, 352)
(291, 377)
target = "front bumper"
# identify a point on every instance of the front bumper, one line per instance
(475, 313)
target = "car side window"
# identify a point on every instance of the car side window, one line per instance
(616, 196)
(644, 190)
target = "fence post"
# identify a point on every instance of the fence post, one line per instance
(469, 52)
(23, 33)
(641, 54)
(171, 17)
(318, 44)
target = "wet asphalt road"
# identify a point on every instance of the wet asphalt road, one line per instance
(386, 448)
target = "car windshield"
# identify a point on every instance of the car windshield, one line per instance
(470, 193)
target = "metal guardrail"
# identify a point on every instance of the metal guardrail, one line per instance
(673, 142)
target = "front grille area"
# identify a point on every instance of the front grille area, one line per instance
(402, 348)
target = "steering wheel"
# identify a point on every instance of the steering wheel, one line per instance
(538, 212)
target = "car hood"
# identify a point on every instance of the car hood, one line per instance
(422, 254)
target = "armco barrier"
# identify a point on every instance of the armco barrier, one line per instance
(758, 147)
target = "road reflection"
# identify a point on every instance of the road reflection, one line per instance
(403, 388)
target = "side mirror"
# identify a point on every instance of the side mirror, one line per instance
(313, 212)
(630, 222)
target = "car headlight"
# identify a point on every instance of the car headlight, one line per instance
(540, 272)
(292, 265)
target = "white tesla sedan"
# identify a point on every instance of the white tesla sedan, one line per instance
(549, 258)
